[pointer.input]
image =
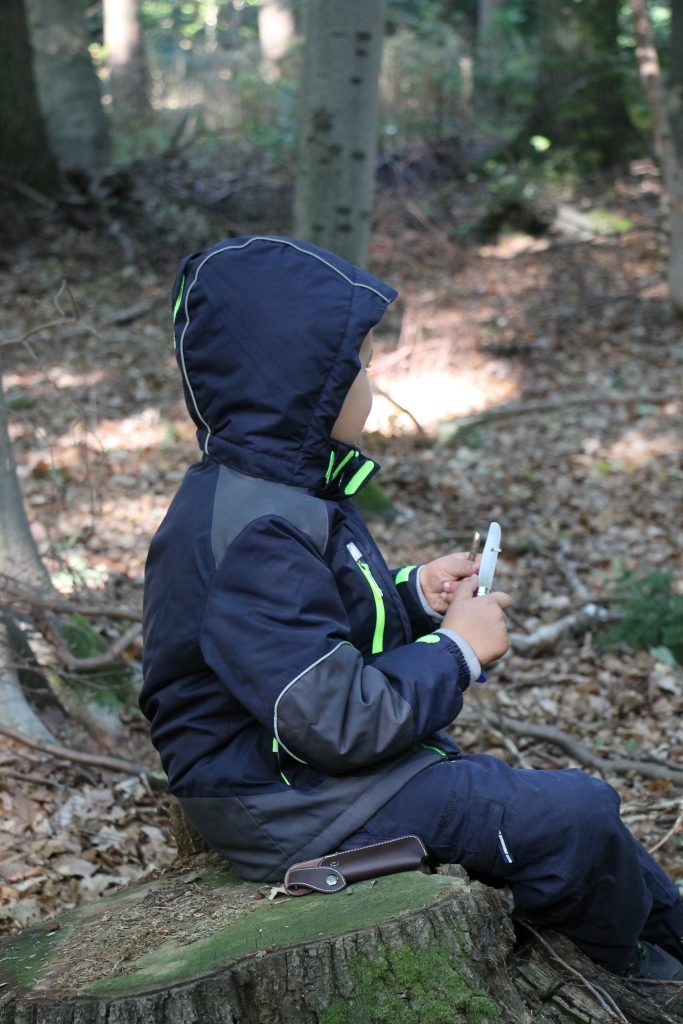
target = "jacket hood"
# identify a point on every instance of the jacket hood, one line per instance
(267, 335)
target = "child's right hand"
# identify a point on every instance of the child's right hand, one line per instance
(479, 620)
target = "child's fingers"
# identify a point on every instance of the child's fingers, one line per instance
(466, 589)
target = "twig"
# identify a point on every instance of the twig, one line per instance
(64, 322)
(604, 998)
(30, 193)
(74, 664)
(33, 779)
(676, 827)
(21, 596)
(113, 764)
(503, 412)
(127, 316)
(420, 429)
(580, 752)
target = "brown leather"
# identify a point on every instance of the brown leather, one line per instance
(335, 871)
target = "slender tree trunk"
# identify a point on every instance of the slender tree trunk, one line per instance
(489, 37)
(670, 159)
(68, 86)
(18, 558)
(25, 154)
(676, 72)
(123, 41)
(338, 124)
(276, 32)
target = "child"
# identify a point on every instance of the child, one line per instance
(296, 687)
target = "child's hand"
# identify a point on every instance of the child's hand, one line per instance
(439, 578)
(480, 620)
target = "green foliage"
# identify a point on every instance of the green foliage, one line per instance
(652, 614)
(410, 986)
(112, 685)
(422, 85)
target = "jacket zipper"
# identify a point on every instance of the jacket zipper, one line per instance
(380, 615)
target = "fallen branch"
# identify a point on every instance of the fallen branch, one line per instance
(34, 780)
(676, 827)
(582, 753)
(23, 598)
(549, 633)
(74, 664)
(504, 412)
(113, 764)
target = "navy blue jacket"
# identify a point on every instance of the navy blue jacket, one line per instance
(288, 688)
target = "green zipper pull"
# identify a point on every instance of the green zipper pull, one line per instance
(380, 615)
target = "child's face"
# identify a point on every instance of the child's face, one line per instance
(358, 402)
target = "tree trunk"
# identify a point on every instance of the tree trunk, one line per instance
(20, 559)
(276, 32)
(489, 36)
(339, 103)
(670, 159)
(676, 72)
(25, 155)
(123, 41)
(68, 86)
(201, 947)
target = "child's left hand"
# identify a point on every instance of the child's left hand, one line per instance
(438, 578)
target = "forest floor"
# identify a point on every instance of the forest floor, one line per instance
(583, 492)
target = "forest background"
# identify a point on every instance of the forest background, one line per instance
(527, 205)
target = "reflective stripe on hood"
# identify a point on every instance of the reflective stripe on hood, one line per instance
(267, 337)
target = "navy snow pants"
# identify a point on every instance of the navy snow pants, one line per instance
(554, 837)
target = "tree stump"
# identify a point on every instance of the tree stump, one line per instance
(198, 946)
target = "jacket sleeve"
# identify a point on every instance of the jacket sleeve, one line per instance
(276, 634)
(421, 620)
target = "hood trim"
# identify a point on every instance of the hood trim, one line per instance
(244, 245)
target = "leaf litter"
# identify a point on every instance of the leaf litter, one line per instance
(581, 494)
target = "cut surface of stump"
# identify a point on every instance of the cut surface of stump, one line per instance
(200, 946)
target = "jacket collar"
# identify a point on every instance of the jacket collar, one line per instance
(348, 471)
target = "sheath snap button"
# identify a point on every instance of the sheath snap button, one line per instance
(331, 879)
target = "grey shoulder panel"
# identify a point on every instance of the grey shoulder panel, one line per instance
(241, 499)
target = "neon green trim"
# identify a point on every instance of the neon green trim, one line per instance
(285, 779)
(403, 574)
(349, 455)
(329, 468)
(275, 746)
(380, 615)
(179, 297)
(430, 638)
(427, 746)
(358, 478)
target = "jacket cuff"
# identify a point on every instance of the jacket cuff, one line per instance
(467, 652)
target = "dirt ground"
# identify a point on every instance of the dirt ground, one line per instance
(582, 491)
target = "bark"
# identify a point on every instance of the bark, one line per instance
(276, 32)
(24, 149)
(200, 947)
(670, 159)
(68, 86)
(20, 559)
(489, 36)
(339, 102)
(123, 41)
(676, 72)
